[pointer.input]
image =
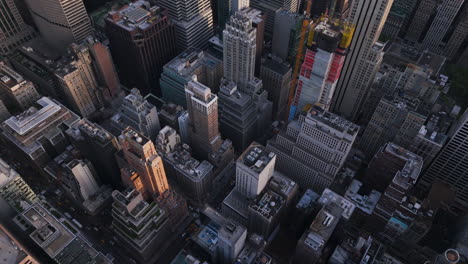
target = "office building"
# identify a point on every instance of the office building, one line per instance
(447, 10)
(269, 8)
(14, 31)
(276, 76)
(168, 140)
(98, 146)
(141, 226)
(450, 164)
(258, 19)
(202, 107)
(190, 64)
(302, 214)
(38, 133)
(13, 189)
(4, 114)
(137, 113)
(16, 92)
(239, 50)
(323, 61)
(59, 240)
(226, 8)
(254, 168)
(328, 196)
(312, 242)
(193, 20)
(395, 119)
(231, 240)
(364, 199)
(334, 9)
(420, 19)
(312, 149)
(364, 58)
(183, 122)
(61, 24)
(455, 43)
(144, 163)
(287, 34)
(398, 19)
(142, 40)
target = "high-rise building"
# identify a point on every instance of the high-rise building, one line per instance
(276, 76)
(270, 8)
(231, 240)
(202, 107)
(137, 113)
(98, 146)
(287, 34)
(142, 39)
(144, 162)
(322, 66)
(258, 22)
(193, 20)
(13, 189)
(4, 114)
(459, 35)
(16, 92)
(312, 149)
(450, 165)
(398, 18)
(364, 58)
(14, 31)
(395, 119)
(239, 50)
(39, 132)
(190, 64)
(254, 168)
(447, 10)
(420, 19)
(61, 23)
(142, 227)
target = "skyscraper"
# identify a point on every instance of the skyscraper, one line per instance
(421, 17)
(364, 58)
(287, 34)
(447, 10)
(202, 107)
(142, 39)
(61, 23)
(193, 20)
(398, 18)
(13, 30)
(455, 43)
(145, 164)
(450, 166)
(270, 7)
(276, 77)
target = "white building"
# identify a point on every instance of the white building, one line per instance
(85, 177)
(231, 240)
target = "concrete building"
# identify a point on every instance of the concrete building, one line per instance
(365, 200)
(137, 113)
(231, 240)
(98, 146)
(61, 24)
(144, 168)
(254, 168)
(322, 65)
(286, 34)
(142, 41)
(330, 197)
(184, 121)
(14, 30)
(312, 149)
(187, 66)
(193, 20)
(450, 164)
(303, 212)
(270, 8)
(455, 43)
(364, 58)
(39, 132)
(258, 22)
(202, 106)
(167, 140)
(398, 18)
(276, 76)
(420, 19)
(141, 226)
(13, 189)
(447, 10)
(312, 242)
(59, 240)
(4, 114)
(396, 119)
(16, 92)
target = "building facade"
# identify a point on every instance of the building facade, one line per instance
(16, 92)
(14, 31)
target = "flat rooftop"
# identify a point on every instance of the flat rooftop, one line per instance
(409, 174)
(334, 121)
(323, 226)
(136, 15)
(330, 197)
(256, 157)
(282, 184)
(8, 77)
(90, 129)
(231, 232)
(255, 15)
(364, 201)
(184, 162)
(135, 136)
(308, 199)
(187, 62)
(268, 204)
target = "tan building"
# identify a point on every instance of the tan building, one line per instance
(143, 164)
(15, 91)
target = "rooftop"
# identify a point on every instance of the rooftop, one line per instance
(135, 136)
(255, 15)
(256, 157)
(364, 201)
(207, 237)
(136, 15)
(432, 61)
(330, 197)
(323, 226)
(231, 232)
(334, 121)
(8, 77)
(277, 66)
(282, 184)
(187, 62)
(183, 161)
(436, 128)
(7, 173)
(308, 199)
(92, 130)
(268, 204)
(409, 174)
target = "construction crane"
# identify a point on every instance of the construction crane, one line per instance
(297, 65)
